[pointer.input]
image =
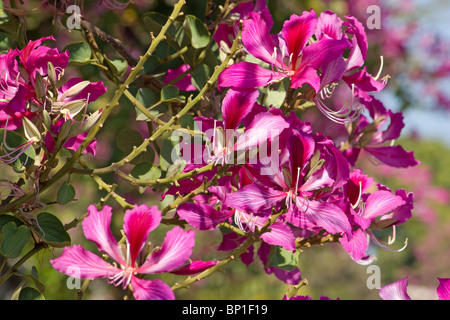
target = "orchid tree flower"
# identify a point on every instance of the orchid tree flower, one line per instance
(21, 79)
(129, 262)
(227, 144)
(364, 210)
(376, 142)
(398, 290)
(292, 54)
(308, 169)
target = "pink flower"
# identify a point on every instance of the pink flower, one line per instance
(128, 258)
(289, 54)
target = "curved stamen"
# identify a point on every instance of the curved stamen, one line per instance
(380, 69)
(383, 246)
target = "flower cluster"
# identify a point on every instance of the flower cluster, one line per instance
(277, 163)
(33, 99)
(259, 170)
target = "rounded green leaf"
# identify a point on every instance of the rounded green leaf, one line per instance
(30, 294)
(118, 65)
(6, 42)
(14, 239)
(79, 52)
(51, 230)
(197, 32)
(283, 259)
(66, 193)
(146, 171)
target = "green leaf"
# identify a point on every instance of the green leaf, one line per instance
(66, 193)
(170, 93)
(14, 141)
(118, 65)
(30, 294)
(200, 76)
(6, 42)
(79, 52)
(14, 239)
(51, 230)
(4, 16)
(197, 32)
(4, 219)
(148, 98)
(283, 259)
(146, 171)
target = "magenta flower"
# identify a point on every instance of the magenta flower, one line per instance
(289, 54)
(128, 258)
(302, 191)
(18, 79)
(380, 208)
(380, 145)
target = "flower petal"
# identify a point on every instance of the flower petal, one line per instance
(257, 40)
(297, 31)
(236, 105)
(264, 127)
(96, 228)
(195, 267)
(252, 198)
(175, 251)
(77, 262)
(137, 224)
(151, 290)
(443, 290)
(394, 156)
(248, 75)
(381, 202)
(395, 291)
(202, 216)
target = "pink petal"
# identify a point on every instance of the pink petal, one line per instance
(327, 216)
(280, 235)
(264, 127)
(195, 267)
(202, 216)
(257, 40)
(329, 24)
(394, 156)
(96, 228)
(252, 198)
(77, 262)
(381, 202)
(443, 290)
(395, 291)
(297, 31)
(320, 53)
(137, 224)
(184, 84)
(151, 289)
(236, 105)
(175, 251)
(356, 246)
(248, 75)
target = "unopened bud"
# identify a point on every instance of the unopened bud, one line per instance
(31, 131)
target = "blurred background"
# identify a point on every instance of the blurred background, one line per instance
(414, 40)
